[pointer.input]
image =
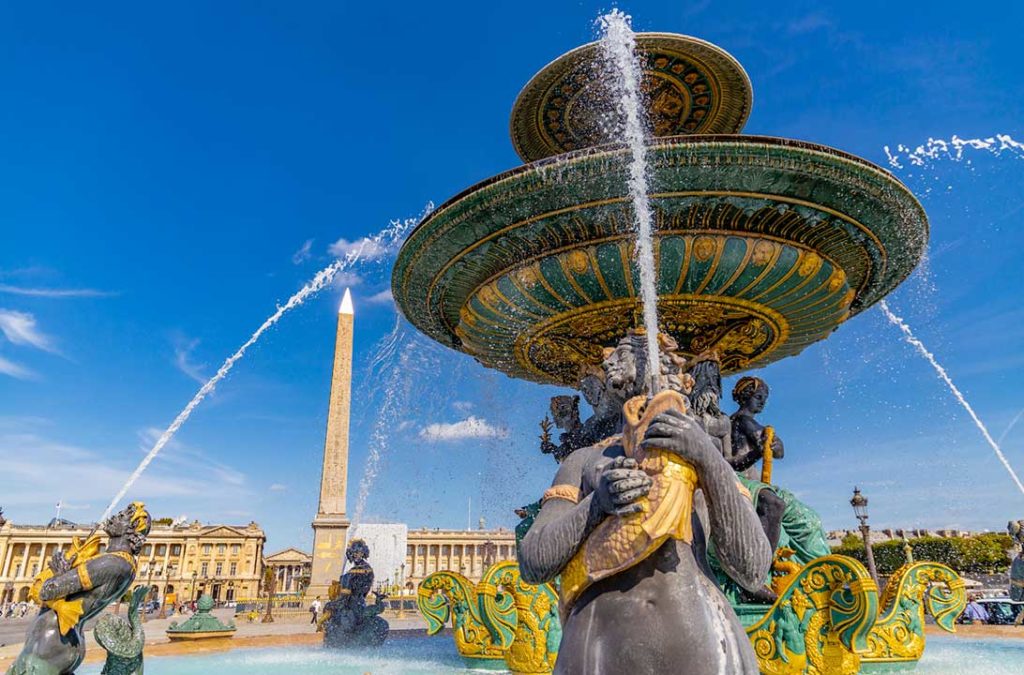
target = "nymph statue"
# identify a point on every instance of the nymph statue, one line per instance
(77, 586)
(1016, 530)
(788, 522)
(617, 527)
(349, 622)
(566, 413)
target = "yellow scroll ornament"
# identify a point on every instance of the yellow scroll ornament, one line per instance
(621, 542)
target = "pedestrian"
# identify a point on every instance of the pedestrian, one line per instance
(314, 609)
(974, 612)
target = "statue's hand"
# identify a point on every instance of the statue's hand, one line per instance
(673, 432)
(777, 451)
(622, 483)
(59, 564)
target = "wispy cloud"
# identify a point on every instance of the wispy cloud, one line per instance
(808, 24)
(183, 349)
(368, 249)
(55, 292)
(20, 329)
(278, 487)
(462, 406)
(39, 470)
(176, 453)
(471, 427)
(12, 369)
(383, 298)
(304, 253)
(347, 279)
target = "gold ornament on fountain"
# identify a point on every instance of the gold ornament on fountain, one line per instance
(622, 542)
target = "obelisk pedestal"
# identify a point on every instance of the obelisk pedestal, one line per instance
(330, 526)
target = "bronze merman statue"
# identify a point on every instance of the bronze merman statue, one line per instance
(788, 522)
(348, 621)
(705, 400)
(76, 587)
(636, 594)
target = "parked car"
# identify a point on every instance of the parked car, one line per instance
(1002, 611)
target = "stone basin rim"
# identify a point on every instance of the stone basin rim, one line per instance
(690, 139)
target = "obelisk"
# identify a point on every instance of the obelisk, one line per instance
(330, 525)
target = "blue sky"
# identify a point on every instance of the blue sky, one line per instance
(170, 174)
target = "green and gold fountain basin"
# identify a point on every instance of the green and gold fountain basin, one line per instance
(763, 246)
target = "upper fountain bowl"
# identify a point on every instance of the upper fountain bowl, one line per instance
(689, 86)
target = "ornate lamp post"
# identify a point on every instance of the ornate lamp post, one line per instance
(149, 587)
(860, 508)
(194, 575)
(490, 551)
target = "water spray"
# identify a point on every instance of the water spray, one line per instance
(386, 239)
(909, 336)
(619, 47)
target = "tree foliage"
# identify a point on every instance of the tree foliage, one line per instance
(981, 554)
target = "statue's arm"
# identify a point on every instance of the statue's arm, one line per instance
(85, 577)
(562, 524)
(592, 484)
(778, 449)
(742, 547)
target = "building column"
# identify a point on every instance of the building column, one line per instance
(8, 558)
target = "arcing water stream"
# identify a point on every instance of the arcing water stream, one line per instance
(937, 148)
(386, 239)
(619, 46)
(919, 346)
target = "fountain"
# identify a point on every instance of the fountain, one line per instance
(755, 248)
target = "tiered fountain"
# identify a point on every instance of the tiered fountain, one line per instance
(762, 247)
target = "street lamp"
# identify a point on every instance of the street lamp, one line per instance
(860, 509)
(194, 575)
(149, 586)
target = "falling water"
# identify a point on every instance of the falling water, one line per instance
(383, 240)
(919, 346)
(387, 418)
(619, 46)
(953, 149)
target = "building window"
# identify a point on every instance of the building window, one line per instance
(234, 569)
(446, 550)
(221, 548)
(219, 569)
(204, 569)
(433, 550)
(146, 550)
(410, 550)
(421, 550)
(175, 549)
(206, 549)
(236, 549)
(161, 550)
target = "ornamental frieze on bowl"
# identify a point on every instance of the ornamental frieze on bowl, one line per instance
(763, 246)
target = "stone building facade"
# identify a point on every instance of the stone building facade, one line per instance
(469, 552)
(292, 570)
(186, 560)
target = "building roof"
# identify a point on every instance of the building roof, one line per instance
(288, 555)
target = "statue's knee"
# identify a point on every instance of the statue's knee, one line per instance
(770, 505)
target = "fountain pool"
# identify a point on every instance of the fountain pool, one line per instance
(409, 654)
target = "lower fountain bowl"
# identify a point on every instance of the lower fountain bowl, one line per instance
(763, 246)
